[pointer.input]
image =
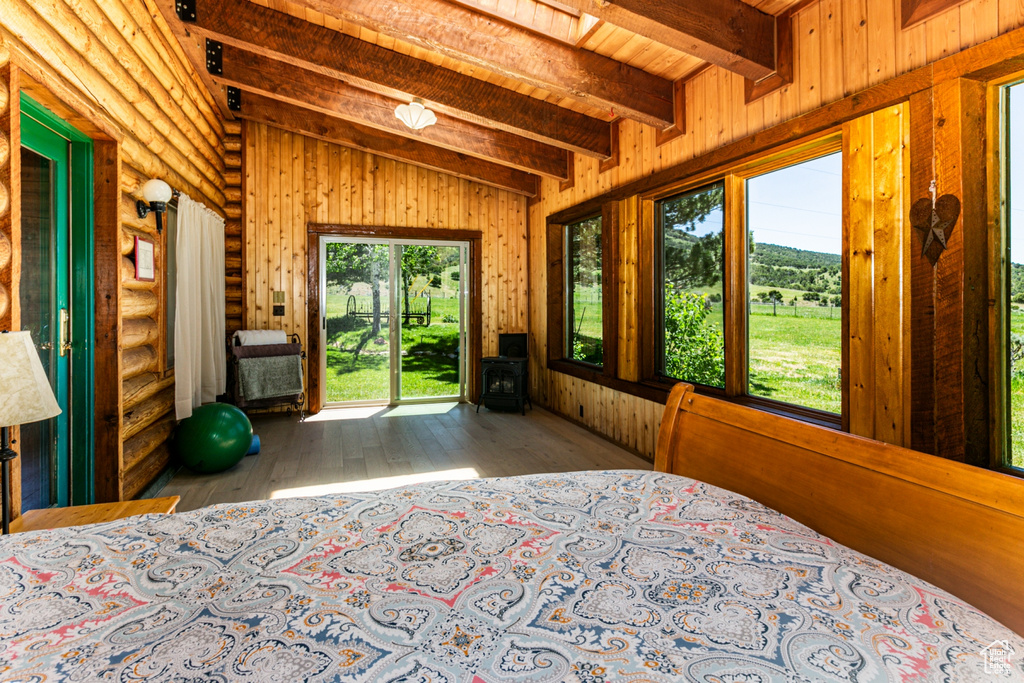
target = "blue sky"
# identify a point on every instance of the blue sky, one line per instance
(799, 206)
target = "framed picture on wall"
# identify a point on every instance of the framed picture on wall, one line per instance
(145, 252)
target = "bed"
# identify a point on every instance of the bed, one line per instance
(588, 576)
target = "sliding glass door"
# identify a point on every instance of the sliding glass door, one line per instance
(392, 318)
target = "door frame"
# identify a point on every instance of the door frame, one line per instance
(474, 327)
(395, 324)
(82, 306)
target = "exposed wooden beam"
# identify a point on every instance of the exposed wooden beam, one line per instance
(323, 127)
(546, 20)
(586, 28)
(289, 83)
(728, 33)
(517, 53)
(371, 67)
(196, 53)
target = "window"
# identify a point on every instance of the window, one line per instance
(692, 312)
(794, 283)
(584, 302)
(1014, 196)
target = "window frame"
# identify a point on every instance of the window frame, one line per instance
(656, 374)
(640, 205)
(1000, 226)
(735, 276)
(557, 237)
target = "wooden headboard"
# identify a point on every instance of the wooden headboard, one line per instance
(956, 526)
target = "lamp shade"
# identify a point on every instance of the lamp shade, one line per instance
(156, 190)
(415, 115)
(25, 393)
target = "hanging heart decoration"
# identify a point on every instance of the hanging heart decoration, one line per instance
(935, 220)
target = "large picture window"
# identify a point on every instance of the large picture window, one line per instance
(692, 257)
(794, 283)
(584, 301)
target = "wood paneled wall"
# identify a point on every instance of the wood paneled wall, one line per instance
(841, 48)
(292, 180)
(876, 203)
(113, 69)
(233, 289)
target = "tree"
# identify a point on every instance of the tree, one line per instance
(774, 297)
(691, 260)
(585, 252)
(349, 263)
(418, 260)
(694, 350)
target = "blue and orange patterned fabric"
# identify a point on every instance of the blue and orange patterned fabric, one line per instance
(586, 577)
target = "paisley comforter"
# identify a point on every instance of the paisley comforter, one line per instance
(586, 577)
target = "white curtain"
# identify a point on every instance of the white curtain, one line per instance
(200, 364)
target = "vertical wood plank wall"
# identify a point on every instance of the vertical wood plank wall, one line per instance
(876, 180)
(233, 289)
(292, 180)
(841, 47)
(113, 69)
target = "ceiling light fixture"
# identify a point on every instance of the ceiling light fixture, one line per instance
(415, 115)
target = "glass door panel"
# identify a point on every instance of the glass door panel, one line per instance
(431, 320)
(356, 290)
(44, 300)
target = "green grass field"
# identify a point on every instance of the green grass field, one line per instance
(1017, 400)
(358, 363)
(588, 323)
(795, 356)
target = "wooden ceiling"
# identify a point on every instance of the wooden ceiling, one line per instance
(518, 85)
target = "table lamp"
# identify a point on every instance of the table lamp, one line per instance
(25, 396)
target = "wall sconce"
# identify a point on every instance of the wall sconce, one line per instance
(156, 193)
(415, 115)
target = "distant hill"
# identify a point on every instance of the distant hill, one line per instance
(693, 261)
(772, 265)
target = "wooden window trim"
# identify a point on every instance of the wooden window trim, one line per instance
(557, 359)
(998, 181)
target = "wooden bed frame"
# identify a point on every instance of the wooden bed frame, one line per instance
(956, 526)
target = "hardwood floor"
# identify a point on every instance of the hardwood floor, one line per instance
(396, 446)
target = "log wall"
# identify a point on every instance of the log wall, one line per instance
(292, 180)
(842, 47)
(113, 69)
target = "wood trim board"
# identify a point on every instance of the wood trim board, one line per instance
(956, 526)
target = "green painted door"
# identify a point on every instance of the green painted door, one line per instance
(56, 297)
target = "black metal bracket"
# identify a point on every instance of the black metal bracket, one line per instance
(186, 10)
(214, 57)
(234, 99)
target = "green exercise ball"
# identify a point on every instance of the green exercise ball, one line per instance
(214, 439)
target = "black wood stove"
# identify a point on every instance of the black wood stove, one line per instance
(503, 385)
